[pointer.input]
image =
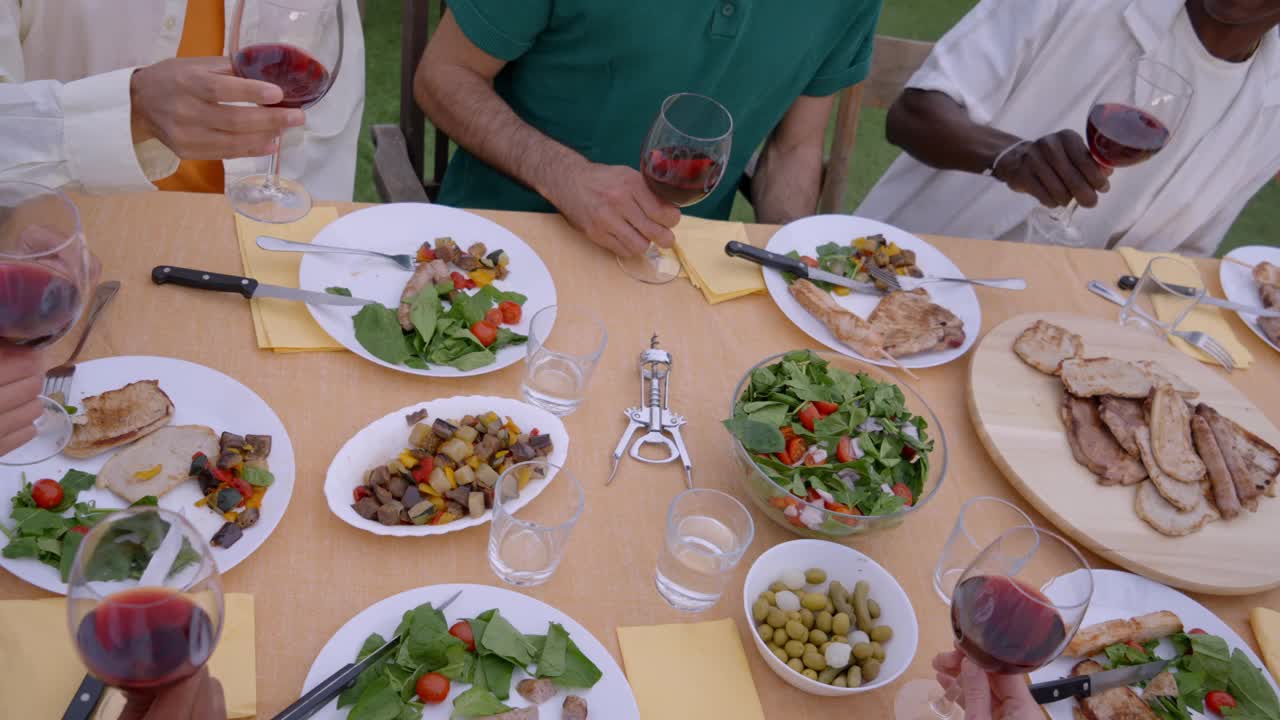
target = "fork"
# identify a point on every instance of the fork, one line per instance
(266, 242)
(1198, 339)
(57, 382)
(897, 282)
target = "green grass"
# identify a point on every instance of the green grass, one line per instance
(916, 19)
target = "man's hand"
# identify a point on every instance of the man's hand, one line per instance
(985, 696)
(613, 207)
(199, 697)
(1054, 170)
(178, 101)
(21, 377)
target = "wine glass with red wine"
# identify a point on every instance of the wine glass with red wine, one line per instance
(144, 603)
(297, 46)
(44, 268)
(1133, 118)
(682, 161)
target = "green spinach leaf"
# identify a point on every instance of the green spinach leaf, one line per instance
(378, 331)
(476, 702)
(338, 290)
(755, 436)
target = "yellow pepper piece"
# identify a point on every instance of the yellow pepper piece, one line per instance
(512, 427)
(447, 518)
(489, 417)
(481, 277)
(500, 454)
(842, 291)
(892, 250)
(448, 473)
(230, 516)
(473, 462)
(437, 501)
(255, 500)
(148, 473)
(860, 243)
(202, 502)
(900, 271)
(522, 476)
(408, 460)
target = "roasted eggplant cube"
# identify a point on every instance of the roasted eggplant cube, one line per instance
(417, 416)
(389, 513)
(523, 451)
(229, 459)
(227, 500)
(541, 443)
(257, 447)
(411, 496)
(248, 517)
(230, 441)
(397, 485)
(422, 512)
(367, 508)
(443, 428)
(379, 477)
(229, 534)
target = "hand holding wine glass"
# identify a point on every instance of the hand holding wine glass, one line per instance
(199, 697)
(983, 695)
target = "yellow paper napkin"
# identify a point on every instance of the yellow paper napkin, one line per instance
(700, 247)
(689, 672)
(283, 325)
(1206, 318)
(40, 669)
(1266, 628)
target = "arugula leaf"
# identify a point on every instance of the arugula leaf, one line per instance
(70, 544)
(507, 338)
(258, 477)
(502, 639)
(378, 331)
(552, 659)
(21, 547)
(497, 675)
(379, 701)
(579, 671)
(476, 702)
(1247, 684)
(423, 313)
(470, 309)
(73, 483)
(460, 666)
(338, 290)
(499, 296)
(756, 436)
(1122, 655)
(472, 360)
(371, 643)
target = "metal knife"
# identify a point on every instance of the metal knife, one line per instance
(1083, 686)
(85, 701)
(248, 287)
(795, 267)
(332, 686)
(1129, 282)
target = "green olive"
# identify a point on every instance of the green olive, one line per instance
(777, 587)
(840, 598)
(877, 651)
(822, 621)
(769, 596)
(815, 576)
(881, 633)
(840, 681)
(830, 608)
(797, 631)
(776, 618)
(817, 637)
(854, 677)
(793, 615)
(760, 610)
(810, 673)
(780, 636)
(873, 609)
(766, 632)
(827, 676)
(779, 653)
(823, 647)
(870, 670)
(794, 648)
(806, 617)
(861, 593)
(840, 624)
(840, 639)
(862, 651)
(795, 664)
(814, 602)
(815, 660)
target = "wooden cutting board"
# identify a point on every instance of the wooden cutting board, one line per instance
(1015, 409)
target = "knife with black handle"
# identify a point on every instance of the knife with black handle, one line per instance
(1083, 686)
(248, 287)
(85, 701)
(791, 265)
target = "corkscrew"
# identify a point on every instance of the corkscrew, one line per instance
(654, 415)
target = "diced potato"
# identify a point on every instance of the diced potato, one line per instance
(456, 449)
(418, 436)
(486, 476)
(475, 504)
(464, 475)
(439, 481)
(467, 433)
(397, 468)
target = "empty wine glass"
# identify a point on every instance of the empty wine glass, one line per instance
(297, 46)
(44, 270)
(682, 161)
(1135, 115)
(144, 602)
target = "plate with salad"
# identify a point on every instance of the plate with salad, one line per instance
(463, 310)
(846, 245)
(489, 652)
(1131, 620)
(43, 505)
(832, 448)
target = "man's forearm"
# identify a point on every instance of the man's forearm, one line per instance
(936, 130)
(466, 107)
(787, 182)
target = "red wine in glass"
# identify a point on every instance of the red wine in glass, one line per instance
(145, 638)
(37, 304)
(1120, 135)
(1005, 626)
(680, 175)
(302, 78)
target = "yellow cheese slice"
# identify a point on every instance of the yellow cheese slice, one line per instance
(1266, 627)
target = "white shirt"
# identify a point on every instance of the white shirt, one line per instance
(1033, 68)
(65, 67)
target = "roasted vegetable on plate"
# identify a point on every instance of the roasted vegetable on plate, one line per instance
(234, 484)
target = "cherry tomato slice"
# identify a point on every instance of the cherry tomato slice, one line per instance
(811, 262)
(485, 332)
(432, 688)
(511, 312)
(493, 316)
(462, 631)
(825, 408)
(844, 449)
(808, 415)
(1217, 700)
(46, 493)
(361, 492)
(80, 530)
(1135, 646)
(904, 492)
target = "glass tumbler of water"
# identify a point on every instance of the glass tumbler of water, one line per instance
(528, 534)
(565, 344)
(707, 533)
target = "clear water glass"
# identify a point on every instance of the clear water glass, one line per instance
(707, 533)
(527, 537)
(565, 345)
(1169, 288)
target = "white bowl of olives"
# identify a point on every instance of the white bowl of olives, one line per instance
(827, 619)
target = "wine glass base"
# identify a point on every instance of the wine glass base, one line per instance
(924, 700)
(269, 200)
(652, 266)
(53, 432)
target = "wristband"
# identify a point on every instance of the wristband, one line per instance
(991, 169)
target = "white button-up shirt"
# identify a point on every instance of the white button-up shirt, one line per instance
(65, 67)
(1033, 67)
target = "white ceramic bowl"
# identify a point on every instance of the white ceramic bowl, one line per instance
(848, 566)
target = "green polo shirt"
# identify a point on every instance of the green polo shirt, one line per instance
(592, 74)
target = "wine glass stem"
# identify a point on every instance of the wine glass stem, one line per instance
(273, 166)
(1065, 213)
(944, 706)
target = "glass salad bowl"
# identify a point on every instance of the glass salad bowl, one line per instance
(860, 450)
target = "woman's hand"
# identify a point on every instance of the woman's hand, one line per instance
(985, 696)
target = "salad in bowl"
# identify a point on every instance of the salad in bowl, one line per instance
(832, 448)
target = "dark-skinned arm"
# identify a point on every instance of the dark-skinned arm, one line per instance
(788, 177)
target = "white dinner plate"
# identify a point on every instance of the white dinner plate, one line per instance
(1238, 284)
(383, 439)
(805, 235)
(1124, 595)
(201, 396)
(401, 228)
(611, 697)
